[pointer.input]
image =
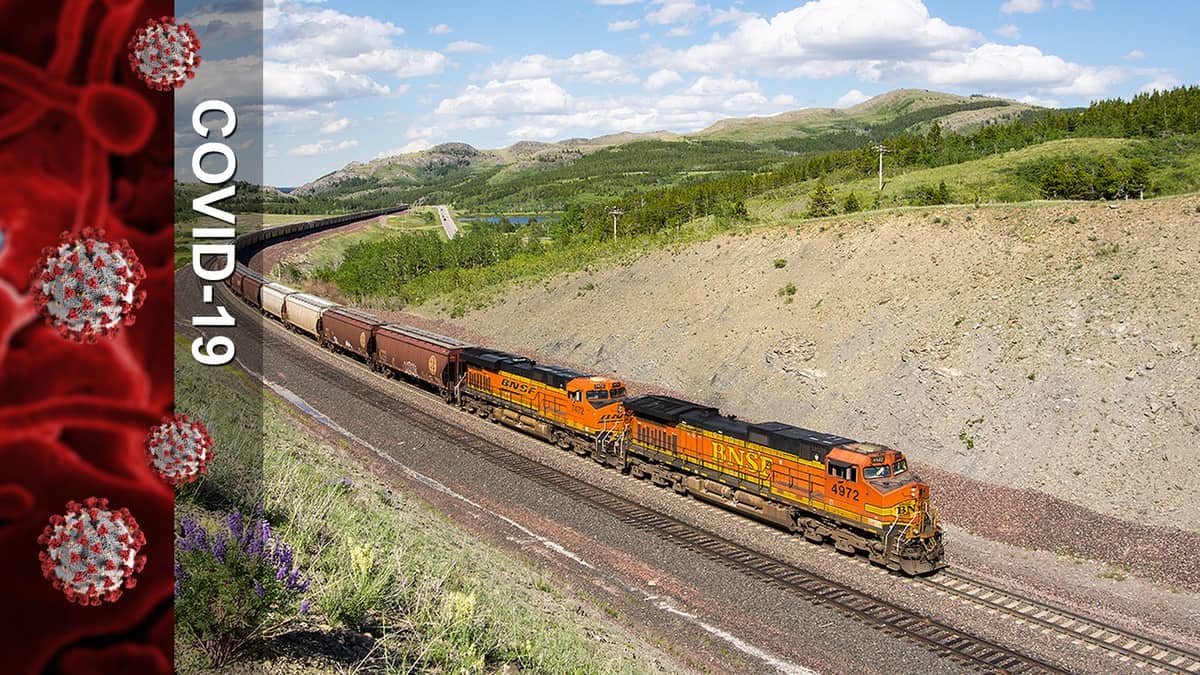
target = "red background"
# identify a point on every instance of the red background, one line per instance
(73, 416)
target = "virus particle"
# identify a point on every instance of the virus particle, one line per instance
(179, 449)
(164, 54)
(87, 286)
(92, 552)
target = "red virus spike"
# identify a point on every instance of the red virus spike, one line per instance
(179, 449)
(70, 284)
(164, 54)
(91, 573)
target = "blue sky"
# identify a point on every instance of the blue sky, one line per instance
(352, 80)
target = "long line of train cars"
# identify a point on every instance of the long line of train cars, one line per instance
(862, 497)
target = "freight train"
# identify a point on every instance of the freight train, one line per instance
(861, 497)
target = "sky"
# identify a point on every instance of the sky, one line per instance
(355, 80)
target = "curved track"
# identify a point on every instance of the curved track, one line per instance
(940, 638)
(975, 651)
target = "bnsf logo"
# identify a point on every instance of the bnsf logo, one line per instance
(515, 386)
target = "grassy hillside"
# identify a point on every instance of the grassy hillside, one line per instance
(1012, 176)
(892, 112)
(546, 177)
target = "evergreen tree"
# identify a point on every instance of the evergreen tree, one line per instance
(820, 202)
(851, 204)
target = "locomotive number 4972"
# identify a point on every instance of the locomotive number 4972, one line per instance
(841, 490)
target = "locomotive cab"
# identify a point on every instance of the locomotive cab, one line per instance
(877, 480)
(598, 392)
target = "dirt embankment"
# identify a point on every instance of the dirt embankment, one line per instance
(1052, 347)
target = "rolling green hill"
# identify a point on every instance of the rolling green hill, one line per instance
(546, 177)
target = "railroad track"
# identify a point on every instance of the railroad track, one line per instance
(940, 638)
(1121, 644)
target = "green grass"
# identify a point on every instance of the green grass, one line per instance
(1008, 177)
(462, 290)
(433, 596)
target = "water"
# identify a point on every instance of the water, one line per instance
(516, 220)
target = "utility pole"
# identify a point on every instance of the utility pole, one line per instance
(614, 213)
(880, 148)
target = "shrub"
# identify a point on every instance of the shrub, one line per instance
(234, 585)
(780, 263)
(851, 204)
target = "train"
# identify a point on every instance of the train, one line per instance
(861, 497)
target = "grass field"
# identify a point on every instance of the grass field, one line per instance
(330, 251)
(434, 598)
(1008, 177)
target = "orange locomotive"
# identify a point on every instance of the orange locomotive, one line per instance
(573, 410)
(859, 495)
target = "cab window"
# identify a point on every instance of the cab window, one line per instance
(597, 395)
(873, 472)
(618, 392)
(576, 396)
(846, 472)
(900, 467)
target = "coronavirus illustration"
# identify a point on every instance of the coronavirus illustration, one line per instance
(92, 552)
(164, 54)
(179, 449)
(87, 286)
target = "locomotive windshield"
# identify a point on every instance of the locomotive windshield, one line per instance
(598, 395)
(618, 392)
(870, 472)
(900, 467)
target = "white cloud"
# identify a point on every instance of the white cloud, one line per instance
(311, 34)
(852, 97)
(1023, 6)
(295, 83)
(679, 31)
(1013, 67)
(1135, 55)
(596, 66)
(784, 99)
(467, 47)
(674, 11)
(321, 147)
(336, 126)
(617, 26)
(662, 78)
(1039, 101)
(1035, 6)
(825, 37)
(1161, 83)
(395, 62)
(527, 96)
(1009, 30)
(441, 29)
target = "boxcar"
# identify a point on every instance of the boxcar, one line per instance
(420, 354)
(350, 330)
(273, 295)
(303, 311)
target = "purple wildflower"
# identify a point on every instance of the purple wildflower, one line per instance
(258, 588)
(304, 606)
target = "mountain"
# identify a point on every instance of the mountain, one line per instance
(919, 106)
(535, 176)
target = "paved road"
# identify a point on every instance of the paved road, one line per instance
(447, 222)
